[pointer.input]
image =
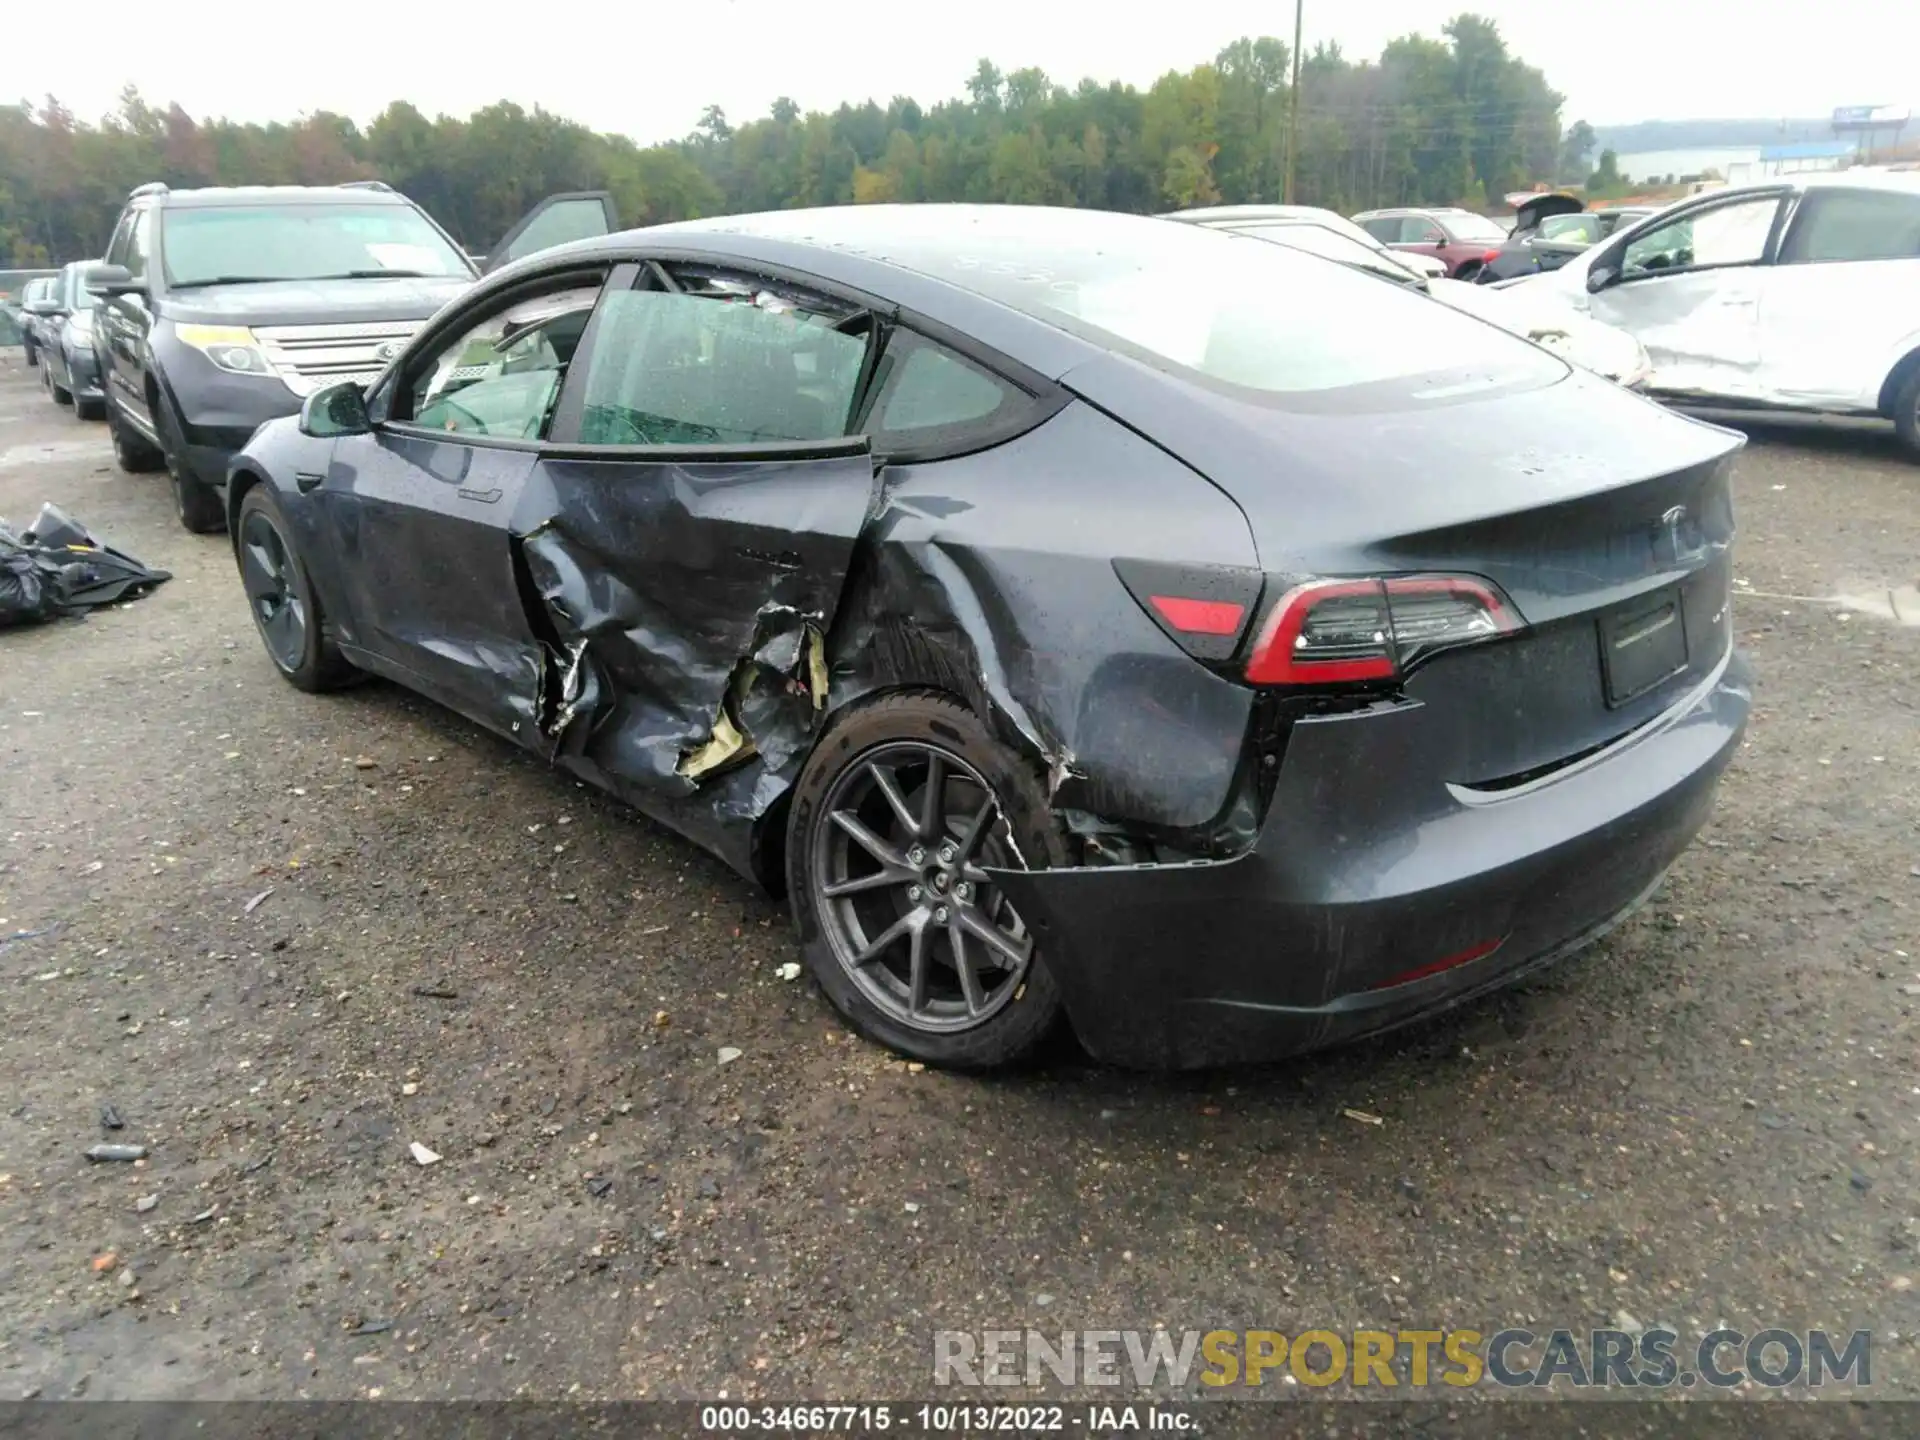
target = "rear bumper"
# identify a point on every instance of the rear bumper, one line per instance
(1343, 918)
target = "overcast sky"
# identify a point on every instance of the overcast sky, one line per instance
(647, 70)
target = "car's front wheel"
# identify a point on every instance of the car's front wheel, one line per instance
(280, 593)
(904, 808)
(131, 450)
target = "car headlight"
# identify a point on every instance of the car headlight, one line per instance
(232, 348)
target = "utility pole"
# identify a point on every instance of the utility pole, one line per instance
(1293, 104)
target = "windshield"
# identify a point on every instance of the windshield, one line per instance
(1473, 227)
(304, 242)
(1219, 306)
(1319, 240)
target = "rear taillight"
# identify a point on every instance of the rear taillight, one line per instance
(1339, 632)
(1490, 256)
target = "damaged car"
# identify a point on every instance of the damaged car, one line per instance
(1222, 669)
(1799, 294)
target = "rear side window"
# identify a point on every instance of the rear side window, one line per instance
(721, 362)
(1843, 225)
(926, 394)
(1386, 230)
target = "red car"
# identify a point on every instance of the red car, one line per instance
(1460, 239)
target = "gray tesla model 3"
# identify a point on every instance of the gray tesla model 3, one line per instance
(1082, 617)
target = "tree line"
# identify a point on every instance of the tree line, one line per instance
(1453, 120)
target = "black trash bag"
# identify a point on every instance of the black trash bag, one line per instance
(59, 568)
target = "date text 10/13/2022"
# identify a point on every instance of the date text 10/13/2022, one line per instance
(949, 1419)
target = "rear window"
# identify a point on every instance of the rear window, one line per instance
(1472, 227)
(1235, 310)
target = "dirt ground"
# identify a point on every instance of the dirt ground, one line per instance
(1712, 1116)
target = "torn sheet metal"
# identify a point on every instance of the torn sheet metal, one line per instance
(1046, 645)
(684, 608)
(57, 567)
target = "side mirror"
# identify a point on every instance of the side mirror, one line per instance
(1599, 278)
(335, 411)
(113, 280)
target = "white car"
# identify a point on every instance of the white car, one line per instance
(1544, 319)
(1266, 221)
(1799, 294)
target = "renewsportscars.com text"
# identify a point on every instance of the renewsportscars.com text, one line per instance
(1512, 1358)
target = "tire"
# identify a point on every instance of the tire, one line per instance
(281, 598)
(33, 355)
(197, 503)
(1469, 272)
(1906, 413)
(61, 395)
(131, 450)
(1012, 1005)
(88, 409)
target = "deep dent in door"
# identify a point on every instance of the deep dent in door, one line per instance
(682, 620)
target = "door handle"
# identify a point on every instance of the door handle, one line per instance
(307, 480)
(485, 497)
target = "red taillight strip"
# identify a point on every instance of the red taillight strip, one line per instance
(1200, 617)
(1273, 662)
(1421, 972)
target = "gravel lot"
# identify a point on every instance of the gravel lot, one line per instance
(1713, 1115)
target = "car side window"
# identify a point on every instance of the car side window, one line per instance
(500, 378)
(925, 394)
(1730, 234)
(117, 246)
(722, 360)
(1422, 232)
(139, 243)
(1854, 225)
(1385, 229)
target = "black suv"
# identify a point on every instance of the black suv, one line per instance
(224, 308)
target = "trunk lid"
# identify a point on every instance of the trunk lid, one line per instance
(1605, 519)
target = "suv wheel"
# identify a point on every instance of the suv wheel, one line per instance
(196, 503)
(1906, 412)
(130, 449)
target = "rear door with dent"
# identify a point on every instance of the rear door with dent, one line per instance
(687, 534)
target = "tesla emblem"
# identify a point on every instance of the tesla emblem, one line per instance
(1682, 537)
(386, 350)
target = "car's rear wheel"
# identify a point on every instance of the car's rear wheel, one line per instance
(88, 409)
(280, 593)
(903, 809)
(1469, 272)
(61, 395)
(33, 355)
(1906, 412)
(131, 450)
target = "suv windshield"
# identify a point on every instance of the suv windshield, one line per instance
(304, 242)
(78, 297)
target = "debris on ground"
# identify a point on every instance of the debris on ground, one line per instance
(788, 971)
(1362, 1116)
(729, 1054)
(110, 1118)
(57, 568)
(256, 902)
(104, 1262)
(422, 1155)
(117, 1152)
(436, 992)
(145, 1203)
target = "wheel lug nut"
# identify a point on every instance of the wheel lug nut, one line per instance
(946, 854)
(963, 891)
(916, 856)
(940, 915)
(914, 892)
